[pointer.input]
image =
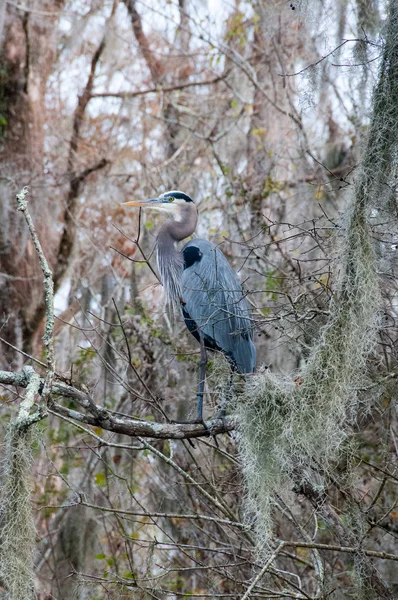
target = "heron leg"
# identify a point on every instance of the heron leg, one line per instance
(202, 378)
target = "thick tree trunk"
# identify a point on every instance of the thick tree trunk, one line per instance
(28, 53)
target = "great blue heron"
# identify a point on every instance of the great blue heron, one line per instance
(201, 281)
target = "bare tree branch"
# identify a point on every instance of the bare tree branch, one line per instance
(351, 550)
(69, 231)
(314, 64)
(135, 513)
(154, 65)
(101, 417)
(265, 568)
(158, 89)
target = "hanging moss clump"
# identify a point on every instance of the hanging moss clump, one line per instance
(292, 432)
(17, 528)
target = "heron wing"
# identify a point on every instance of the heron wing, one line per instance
(214, 304)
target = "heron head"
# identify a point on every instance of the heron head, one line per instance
(172, 202)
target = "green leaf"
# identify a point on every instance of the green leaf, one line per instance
(128, 575)
(99, 479)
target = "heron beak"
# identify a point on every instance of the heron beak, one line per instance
(147, 202)
(161, 204)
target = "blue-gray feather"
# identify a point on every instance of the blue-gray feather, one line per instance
(213, 298)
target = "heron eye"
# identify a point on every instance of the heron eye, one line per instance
(171, 199)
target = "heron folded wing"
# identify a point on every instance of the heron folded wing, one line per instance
(214, 302)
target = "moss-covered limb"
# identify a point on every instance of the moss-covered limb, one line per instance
(48, 338)
(17, 529)
(97, 415)
(25, 418)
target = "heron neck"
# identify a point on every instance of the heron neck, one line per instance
(184, 227)
(170, 260)
(170, 265)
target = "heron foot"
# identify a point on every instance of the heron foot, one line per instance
(215, 422)
(221, 413)
(203, 422)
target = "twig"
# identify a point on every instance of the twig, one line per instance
(134, 513)
(130, 359)
(343, 43)
(137, 244)
(349, 549)
(157, 89)
(221, 506)
(39, 362)
(362, 460)
(265, 568)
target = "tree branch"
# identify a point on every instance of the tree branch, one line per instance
(152, 515)
(265, 568)
(48, 338)
(157, 89)
(314, 64)
(154, 65)
(98, 416)
(69, 231)
(24, 419)
(351, 550)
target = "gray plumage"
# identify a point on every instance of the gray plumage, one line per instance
(213, 298)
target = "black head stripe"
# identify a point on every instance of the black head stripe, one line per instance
(178, 196)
